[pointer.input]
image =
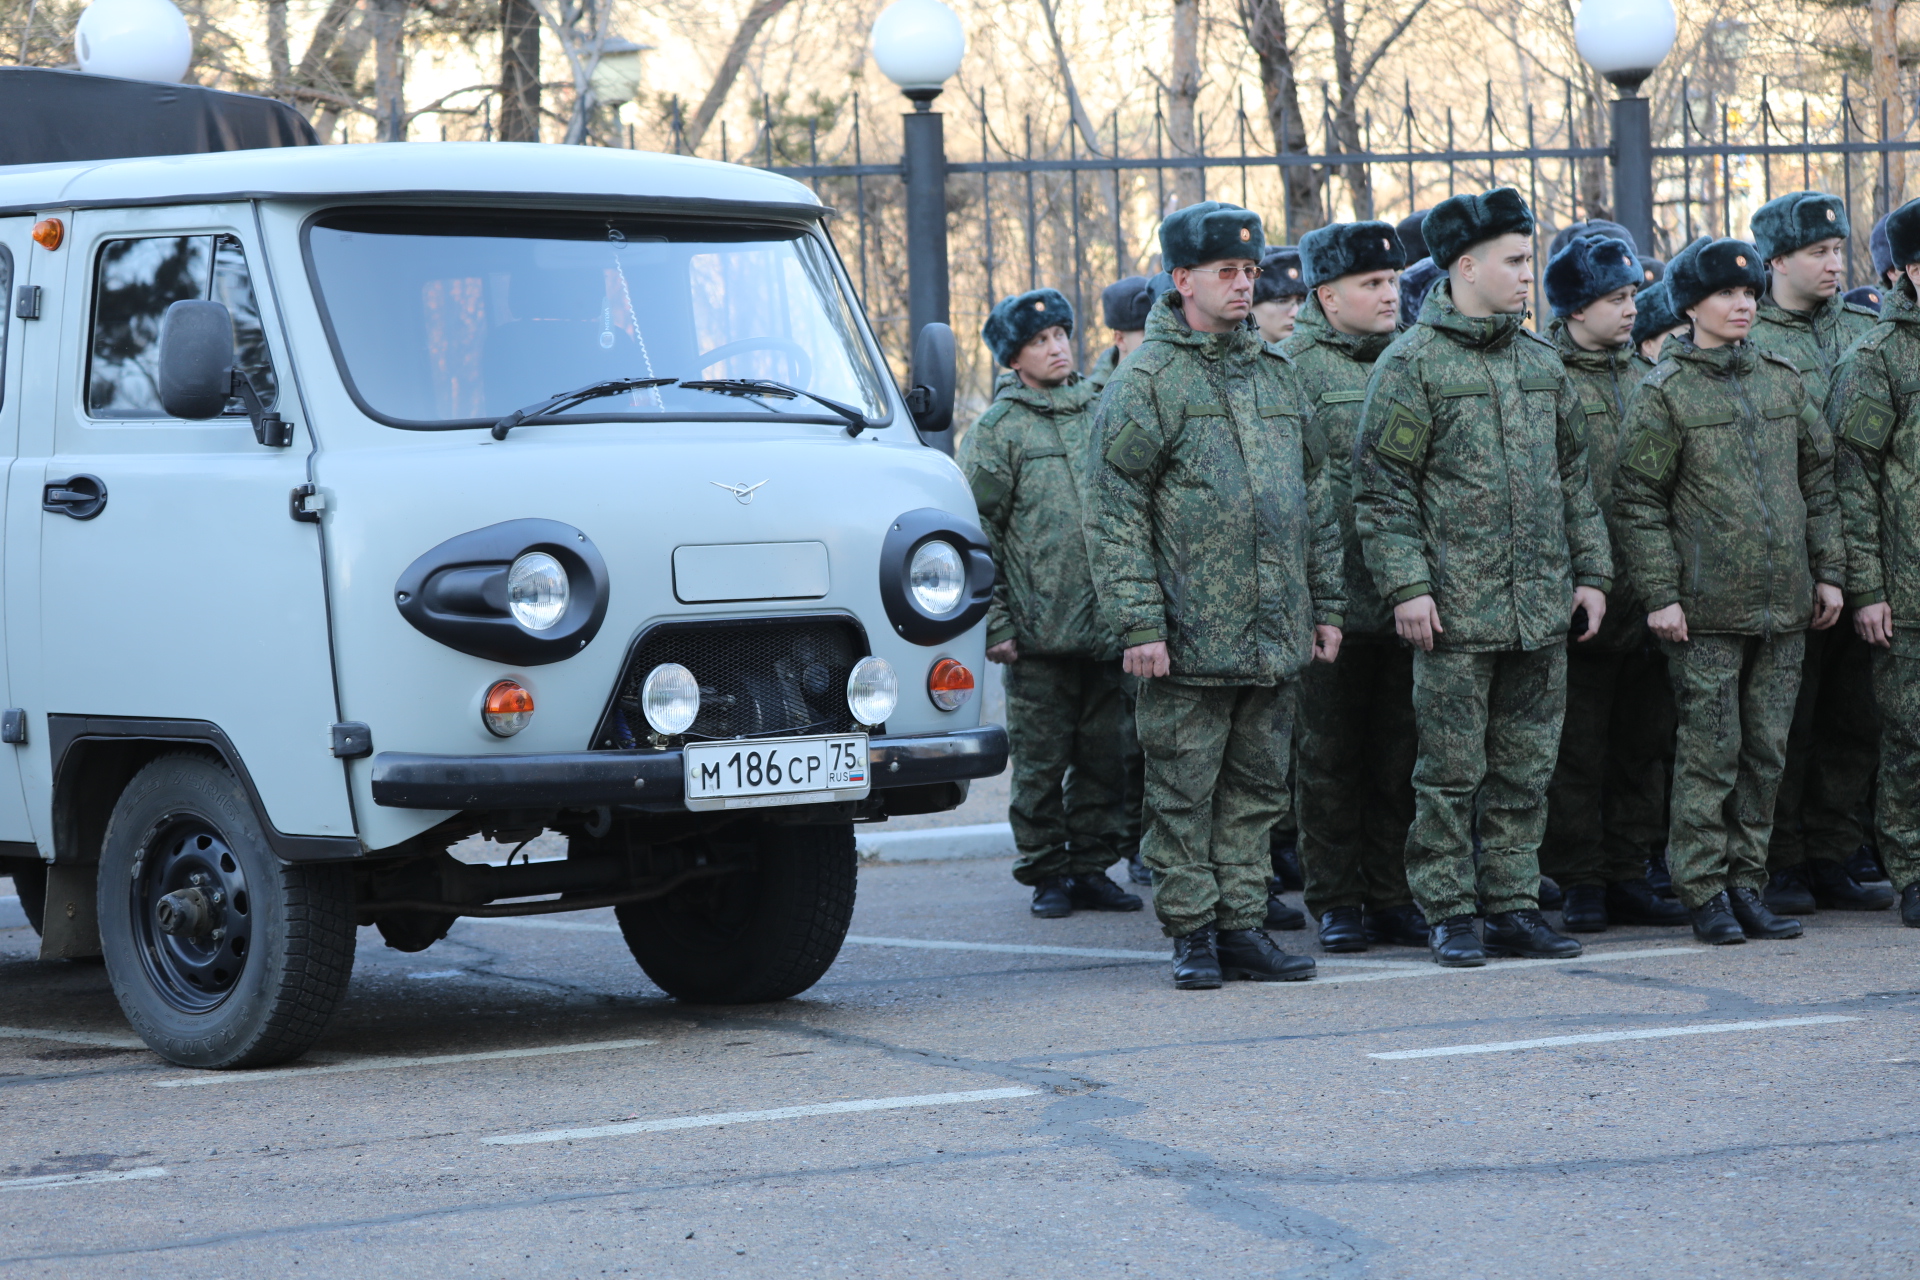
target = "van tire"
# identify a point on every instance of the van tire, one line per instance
(30, 883)
(261, 990)
(759, 935)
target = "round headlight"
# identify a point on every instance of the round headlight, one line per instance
(670, 699)
(537, 590)
(872, 690)
(937, 577)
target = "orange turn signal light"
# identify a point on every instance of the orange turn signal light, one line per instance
(49, 233)
(949, 685)
(508, 708)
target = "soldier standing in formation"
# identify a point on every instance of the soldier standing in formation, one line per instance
(1357, 741)
(1124, 307)
(1066, 710)
(1278, 293)
(1875, 410)
(1826, 787)
(1653, 323)
(1731, 529)
(1606, 806)
(1216, 559)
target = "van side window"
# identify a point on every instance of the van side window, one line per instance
(134, 282)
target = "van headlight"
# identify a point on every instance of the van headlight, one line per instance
(937, 577)
(872, 690)
(670, 699)
(537, 591)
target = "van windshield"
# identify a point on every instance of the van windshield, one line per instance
(453, 319)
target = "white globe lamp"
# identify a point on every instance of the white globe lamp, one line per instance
(133, 39)
(1624, 40)
(918, 45)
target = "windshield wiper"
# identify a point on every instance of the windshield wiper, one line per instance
(578, 396)
(856, 421)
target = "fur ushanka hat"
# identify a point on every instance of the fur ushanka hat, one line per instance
(1903, 235)
(1208, 232)
(1281, 276)
(1654, 315)
(1708, 266)
(1587, 230)
(1589, 267)
(1124, 305)
(1350, 248)
(1013, 321)
(1460, 222)
(1796, 220)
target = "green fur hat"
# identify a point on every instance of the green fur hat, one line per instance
(1350, 248)
(1796, 220)
(1208, 232)
(1654, 314)
(1708, 266)
(1013, 321)
(1460, 222)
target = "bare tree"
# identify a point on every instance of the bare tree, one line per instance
(1183, 93)
(387, 18)
(1265, 24)
(1352, 69)
(763, 12)
(279, 60)
(1884, 51)
(519, 72)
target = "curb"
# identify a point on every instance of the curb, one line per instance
(936, 844)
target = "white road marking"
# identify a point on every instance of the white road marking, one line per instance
(1603, 1037)
(326, 1068)
(1427, 969)
(80, 1179)
(541, 922)
(98, 1039)
(749, 1117)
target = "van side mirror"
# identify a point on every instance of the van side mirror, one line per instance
(197, 376)
(934, 376)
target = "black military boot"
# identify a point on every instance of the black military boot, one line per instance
(1454, 945)
(1401, 926)
(1196, 960)
(1138, 871)
(1635, 902)
(1910, 906)
(1052, 898)
(1527, 935)
(1252, 955)
(1789, 893)
(1835, 890)
(1551, 897)
(1341, 930)
(1279, 914)
(1286, 863)
(1659, 879)
(1714, 922)
(1096, 892)
(1750, 909)
(1865, 866)
(1585, 909)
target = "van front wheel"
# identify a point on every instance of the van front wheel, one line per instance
(764, 933)
(220, 954)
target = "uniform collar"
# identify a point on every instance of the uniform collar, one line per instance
(1721, 362)
(1363, 347)
(1819, 318)
(1577, 356)
(1069, 397)
(1167, 322)
(1488, 333)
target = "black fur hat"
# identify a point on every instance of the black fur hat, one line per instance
(1652, 270)
(1124, 305)
(1865, 296)
(1208, 232)
(1458, 223)
(1589, 267)
(1281, 276)
(1349, 248)
(1655, 314)
(1591, 227)
(1416, 282)
(1796, 220)
(1013, 321)
(1412, 243)
(1903, 235)
(1881, 250)
(1708, 266)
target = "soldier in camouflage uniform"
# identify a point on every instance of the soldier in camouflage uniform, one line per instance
(1875, 410)
(1216, 559)
(1653, 322)
(1825, 792)
(1481, 532)
(1278, 293)
(1066, 709)
(1356, 732)
(1607, 804)
(1725, 506)
(1124, 307)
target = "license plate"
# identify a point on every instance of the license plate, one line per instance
(773, 771)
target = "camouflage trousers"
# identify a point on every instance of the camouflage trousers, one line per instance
(1216, 761)
(1065, 720)
(1896, 685)
(1355, 770)
(1133, 767)
(1489, 727)
(1607, 803)
(1824, 808)
(1734, 695)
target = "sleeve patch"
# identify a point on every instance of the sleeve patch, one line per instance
(1868, 424)
(1539, 384)
(1652, 455)
(989, 490)
(1404, 438)
(1133, 451)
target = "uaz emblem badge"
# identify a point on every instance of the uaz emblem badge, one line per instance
(742, 492)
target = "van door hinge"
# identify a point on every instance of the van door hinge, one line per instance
(13, 726)
(305, 503)
(352, 740)
(26, 302)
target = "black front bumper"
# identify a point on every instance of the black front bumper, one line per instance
(646, 779)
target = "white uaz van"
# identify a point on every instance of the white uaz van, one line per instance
(360, 499)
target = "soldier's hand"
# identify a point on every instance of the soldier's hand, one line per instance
(1326, 643)
(1006, 652)
(1669, 623)
(1146, 660)
(1827, 602)
(1874, 622)
(1418, 622)
(1594, 601)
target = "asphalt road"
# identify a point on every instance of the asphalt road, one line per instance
(995, 1110)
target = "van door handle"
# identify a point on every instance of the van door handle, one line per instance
(83, 497)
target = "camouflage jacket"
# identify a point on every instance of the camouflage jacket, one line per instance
(1334, 368)
(1604, 381)
(1813, 340)
(1206, 524)
(1102, 372)
(1724, 498)
(1875, 410)
(1025, 459)
(1473, 481)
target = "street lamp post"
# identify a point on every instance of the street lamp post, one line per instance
(1624, 40)
(918, 44)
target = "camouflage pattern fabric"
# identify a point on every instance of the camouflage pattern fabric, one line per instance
(1603, 382)
(1473, 481)
(1607, 803)
(1206, 525)
(1133, 769)
(1216, 756)
(1355, 768)
(1813, 340)
(1489, 726)
(1025, 460)
(1896, 687)
(1065, 721)
(1735, 697)
(1102, 371)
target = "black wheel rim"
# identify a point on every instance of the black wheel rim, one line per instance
(196, 969)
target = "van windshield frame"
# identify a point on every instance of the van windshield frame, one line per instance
(733, 265)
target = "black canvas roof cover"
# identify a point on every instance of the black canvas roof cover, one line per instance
(50, 116)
